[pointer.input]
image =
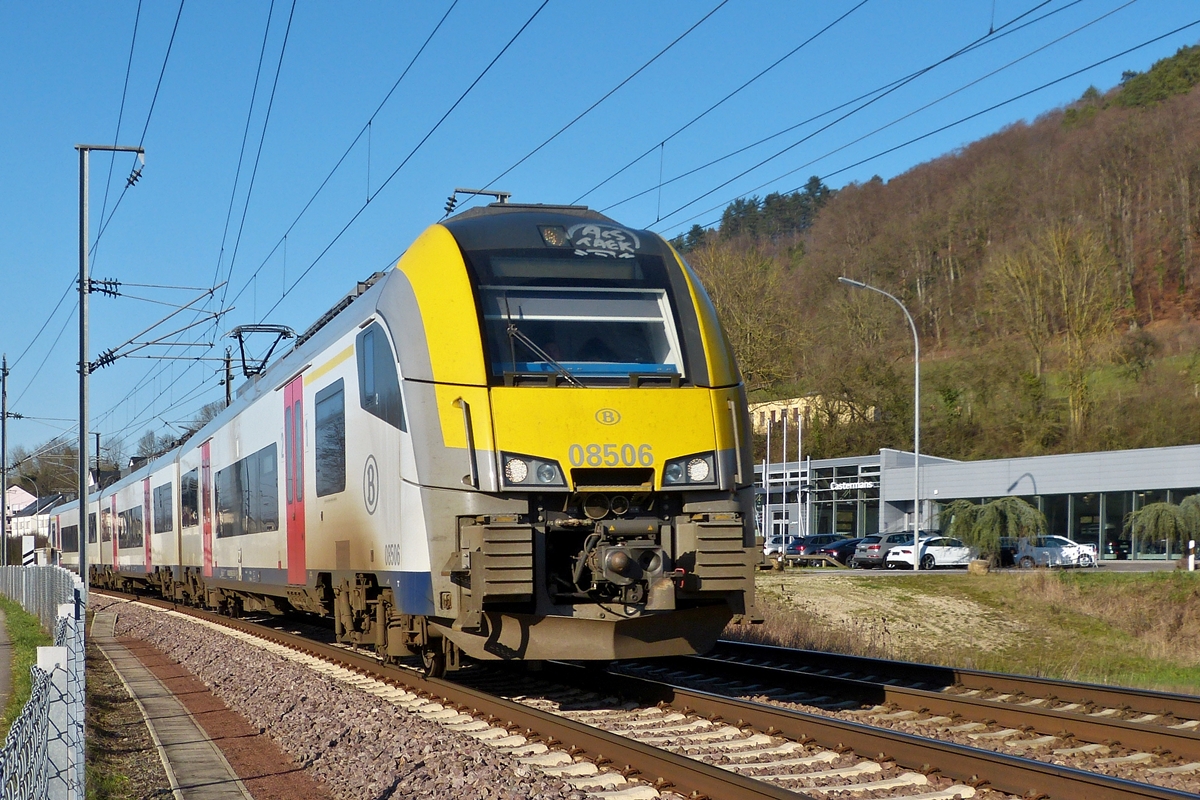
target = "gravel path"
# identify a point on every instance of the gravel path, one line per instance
(356, 744)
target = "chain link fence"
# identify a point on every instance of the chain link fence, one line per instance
(43, 755)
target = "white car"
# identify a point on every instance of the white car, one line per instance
(1054, 551)
(938, 551)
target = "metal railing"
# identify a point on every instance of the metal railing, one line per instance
(43, 755)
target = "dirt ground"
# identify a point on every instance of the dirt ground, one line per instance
(891, 610)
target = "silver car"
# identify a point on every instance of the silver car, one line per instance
(1054, 551)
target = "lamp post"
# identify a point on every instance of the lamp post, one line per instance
(916, 415)
(84, 364)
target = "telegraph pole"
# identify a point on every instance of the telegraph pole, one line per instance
(228, 377)
(4, 459)
(84, 363)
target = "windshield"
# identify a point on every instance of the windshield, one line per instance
(609, 332)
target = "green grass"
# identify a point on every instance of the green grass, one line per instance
(26, 635)
(1134, 629)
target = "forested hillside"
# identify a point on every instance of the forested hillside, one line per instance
(1053, 270)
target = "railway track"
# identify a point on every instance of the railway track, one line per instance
(1142, 735)
(627, 736)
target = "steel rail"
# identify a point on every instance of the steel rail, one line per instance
(668, 769)
(1000, 771)
(1064, 724)
(1144, 701)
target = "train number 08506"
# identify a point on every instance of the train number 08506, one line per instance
(611, 455)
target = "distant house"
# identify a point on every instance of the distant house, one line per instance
(794, 409)
(16, 499)
(32, 520)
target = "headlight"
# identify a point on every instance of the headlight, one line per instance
(527, 471)
(693, 470)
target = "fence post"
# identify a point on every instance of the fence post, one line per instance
(54, 660)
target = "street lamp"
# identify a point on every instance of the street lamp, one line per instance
(916, 416)
(84, 364)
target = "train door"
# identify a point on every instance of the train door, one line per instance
(206, 506)
(112, 530)
(293, 439)
(146, 517)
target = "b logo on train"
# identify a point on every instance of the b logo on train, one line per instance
(528, 440)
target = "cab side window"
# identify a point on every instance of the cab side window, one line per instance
(378, 382)
(331, 439)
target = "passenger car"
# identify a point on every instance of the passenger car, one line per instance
(1054, 551)
(938, 551)
(533, 419)
(808, 545)
(872, 550)
(841, 551)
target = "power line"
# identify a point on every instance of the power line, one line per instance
(70, 285)
(918, 110)
(886, 88)
(720, 102)
(121, 113)
(850, 113)
(607, 95)
(1003, 103)
(349, 148)
(153, 373)
(245, 135)
(411, 153)
(146, 127)
(258, 155)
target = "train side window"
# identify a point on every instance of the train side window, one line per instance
(248, 494)
(378, 382)
(163, 523)
(70, 538)
(129, 528)
(330, 445)
(91, 528)
(189, 499)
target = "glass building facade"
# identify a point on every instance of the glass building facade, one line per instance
(1086, 497)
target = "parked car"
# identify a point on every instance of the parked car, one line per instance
(773, 546)
(937, 551)
(1055, 551)
(840, 551)
(872, 550)
(808, 545)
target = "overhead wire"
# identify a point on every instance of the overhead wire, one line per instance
(146, 126)
(152, 373)
(407, 158)
(112, 160)
(608, 94)
(722, 101)
(366, 126)
(237, 174)
(258, 154)
(991, 108)
(845, 116)
(881, 91)
(917, 110)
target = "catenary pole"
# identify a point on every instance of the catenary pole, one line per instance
(916, 416)
(84, 364)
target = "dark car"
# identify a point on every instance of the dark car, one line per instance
(872, 550)
(808, 545)
(841, 551)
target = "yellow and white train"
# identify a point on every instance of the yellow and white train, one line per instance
(529, 440)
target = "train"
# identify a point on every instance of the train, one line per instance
(527, 440)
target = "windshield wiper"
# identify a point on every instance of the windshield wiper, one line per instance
(515, 333)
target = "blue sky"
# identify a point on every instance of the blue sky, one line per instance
(65, 69)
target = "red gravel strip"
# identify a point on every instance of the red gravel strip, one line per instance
(267, 772)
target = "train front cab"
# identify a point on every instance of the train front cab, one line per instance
(576, 377)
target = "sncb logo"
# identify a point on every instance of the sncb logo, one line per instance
(606, 416)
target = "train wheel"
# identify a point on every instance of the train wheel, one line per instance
(433, 660)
